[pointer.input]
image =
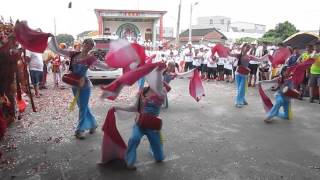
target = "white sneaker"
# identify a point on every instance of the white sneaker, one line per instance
(80, 135)
(268, 120)
(92, 130)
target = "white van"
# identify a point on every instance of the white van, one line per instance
(100, 51)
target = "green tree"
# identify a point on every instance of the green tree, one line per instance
(281, 32)
(245, 40)
(65, 38)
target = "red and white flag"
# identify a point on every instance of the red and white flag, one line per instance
(112, 90)
(113, 146)
(30, 39)
(280, 56)
(123, 54)
(195, 87)
(221, 50)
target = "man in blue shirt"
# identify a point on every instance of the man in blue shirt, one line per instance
(294, 57)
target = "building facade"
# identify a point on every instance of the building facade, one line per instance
(220, 23)
(202, 36)
(131, 24)
(248, 27)
(224, 24)
(168, 32)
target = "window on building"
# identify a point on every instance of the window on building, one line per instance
(211, 21)
(221, 21)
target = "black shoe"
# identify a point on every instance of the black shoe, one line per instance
(311, 100)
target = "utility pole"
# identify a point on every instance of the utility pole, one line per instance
(54, 26)
(178, 24)
(190, 25)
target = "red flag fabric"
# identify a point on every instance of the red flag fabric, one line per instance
(31, 39)
(280, 56)
(21, 105)
(195, 86)
(122, 53)
(299, 70)
(113, 146)
(3, 125)
(167, 86)
(221, 50)
(112, 90)
(267, 103)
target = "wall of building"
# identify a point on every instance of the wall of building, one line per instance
(224, 24)
(248, 27)
(114, 25)
(167, 32)
(221, 23)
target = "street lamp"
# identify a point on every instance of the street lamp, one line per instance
(190, 28)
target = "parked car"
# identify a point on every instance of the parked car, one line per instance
(100, 51)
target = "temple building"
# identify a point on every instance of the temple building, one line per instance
(131, 24)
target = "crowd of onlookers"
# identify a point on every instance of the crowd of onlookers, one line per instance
(215, 68)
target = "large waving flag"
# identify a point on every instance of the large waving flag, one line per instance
(221, 50)
(299, 70)
(195, 87)
(30, 39)
(280, 56)
(154, 79)
(113, 146)
(266, 102)
(112, 90)
(123, 54)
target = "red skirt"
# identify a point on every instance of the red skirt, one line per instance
(73, 80)
(243, 70)
(148, 121)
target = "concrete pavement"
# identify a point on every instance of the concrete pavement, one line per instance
(207, 140)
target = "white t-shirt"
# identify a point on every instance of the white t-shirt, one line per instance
(197, 60)
(188, 55)
(221, 61)
(234, 61)
(175, 52)
(228, 64)
(36, 61)
(211, 63)
(206, 57)
(160, 56)
(254, 62)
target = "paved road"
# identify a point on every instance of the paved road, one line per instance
(207, 140)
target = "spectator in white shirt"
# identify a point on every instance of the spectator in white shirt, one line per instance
(253, 66)
(211, 65)
(196, 63)
(35, 69)
(188, 57)
(228, 69)
(203, 63)
(220, 68)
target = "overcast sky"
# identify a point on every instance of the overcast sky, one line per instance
(40, 13)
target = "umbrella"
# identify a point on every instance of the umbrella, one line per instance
(301, 39)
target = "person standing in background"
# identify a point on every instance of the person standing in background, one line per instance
(314, 80)
(188, 57)
(253, 66)
(36, 70)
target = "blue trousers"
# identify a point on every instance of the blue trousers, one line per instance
(141, 83)
(281, 101)
(86, 119)
(241, 88)
(134, 141)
